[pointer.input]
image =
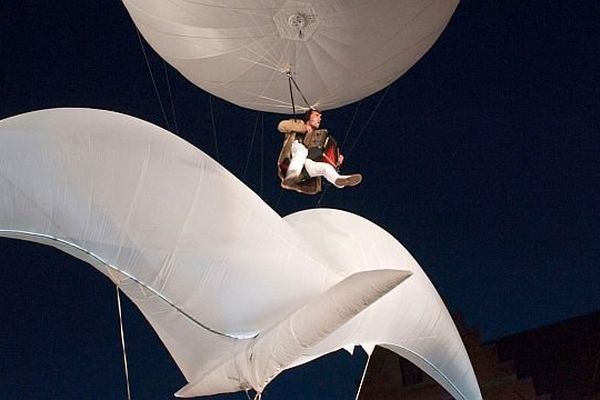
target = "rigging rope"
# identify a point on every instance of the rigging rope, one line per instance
(123, 342)
(262, 152)
(162, 108)
(251, 144)
(171, 97)
(289, 74)
(351, 123)
(318, 204)
(363, 376)
(298, 89)
(257, 396)
(290, 81)
(278, 199)
(214, 126)
(369, 119)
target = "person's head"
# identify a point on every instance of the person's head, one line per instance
(312, 117)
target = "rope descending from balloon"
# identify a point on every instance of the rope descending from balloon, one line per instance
(289, 74)
(257, 396)
(162, 108)
(290, 81)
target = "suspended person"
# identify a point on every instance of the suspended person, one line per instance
(309, 153)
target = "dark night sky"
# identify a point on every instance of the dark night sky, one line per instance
(482, 160)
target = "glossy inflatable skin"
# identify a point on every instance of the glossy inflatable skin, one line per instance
(215, 271)
(337, 52)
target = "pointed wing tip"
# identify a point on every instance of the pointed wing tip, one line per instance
(392, 277)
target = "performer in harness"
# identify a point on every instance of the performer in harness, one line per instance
(309, 153)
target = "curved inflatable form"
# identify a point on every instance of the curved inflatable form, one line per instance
(338, 52)
(236, 293)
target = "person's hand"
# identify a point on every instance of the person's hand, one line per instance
(341, 160)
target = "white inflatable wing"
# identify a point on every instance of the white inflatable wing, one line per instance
(411, 321)
(205, 260)
(235, 292)
(337, 51)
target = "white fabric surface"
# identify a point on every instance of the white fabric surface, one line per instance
(299, 154)
(213, 269)
(241, 50)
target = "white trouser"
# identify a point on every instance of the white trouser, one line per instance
(314, 168)
(321, 169)
(299, 154)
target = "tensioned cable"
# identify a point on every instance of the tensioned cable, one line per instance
(251, 144)
(214, 126)
(363, 376)
(262, 151)
(289, 74)
(123, 343)
(171, 97)
(351, 123)
(369, 119)
(298, 89)
(318, 204)
(290, 81)
(162, 108)
(278, 199)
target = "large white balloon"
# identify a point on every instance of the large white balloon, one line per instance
(337, 51)
(236, 293)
